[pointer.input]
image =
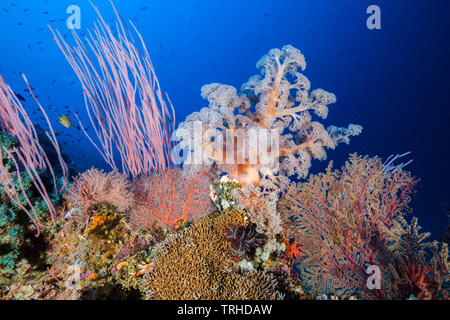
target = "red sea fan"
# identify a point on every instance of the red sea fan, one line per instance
(342, 219)
(95, 187)
(170, 197)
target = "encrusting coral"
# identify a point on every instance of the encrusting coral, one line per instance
(85, 263)
(281, 99)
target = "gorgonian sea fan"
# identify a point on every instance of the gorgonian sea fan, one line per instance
(169, 197)
(342, 219)
(95, 187)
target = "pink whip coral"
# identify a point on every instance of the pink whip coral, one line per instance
(342, 220)
(29, 154)
(267, 128)
(95, 187)
(170, 197)
(123, 98)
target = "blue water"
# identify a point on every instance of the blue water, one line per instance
(394, 81)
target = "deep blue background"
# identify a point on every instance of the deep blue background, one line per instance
(394, 81)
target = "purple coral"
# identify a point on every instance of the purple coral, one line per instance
(129, 249)
(244, 239)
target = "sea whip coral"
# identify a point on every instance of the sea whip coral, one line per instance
(123, 98)
(29, 154)
(277, 101)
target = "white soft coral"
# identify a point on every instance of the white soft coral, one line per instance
(277, 99)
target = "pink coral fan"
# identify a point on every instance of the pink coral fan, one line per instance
(170, 197)
(343, 220)
(95, 187)
(278, 104)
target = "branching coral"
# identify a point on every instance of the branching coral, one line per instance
(95, 187)
(278, 103)
(170, 197)
(195, 264)
(342, 218)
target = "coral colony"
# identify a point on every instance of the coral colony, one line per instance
(222, 207)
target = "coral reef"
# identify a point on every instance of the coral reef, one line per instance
(229, 222)
(84, 264)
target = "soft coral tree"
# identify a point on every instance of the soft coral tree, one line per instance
(342, 220)
(278, 101)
